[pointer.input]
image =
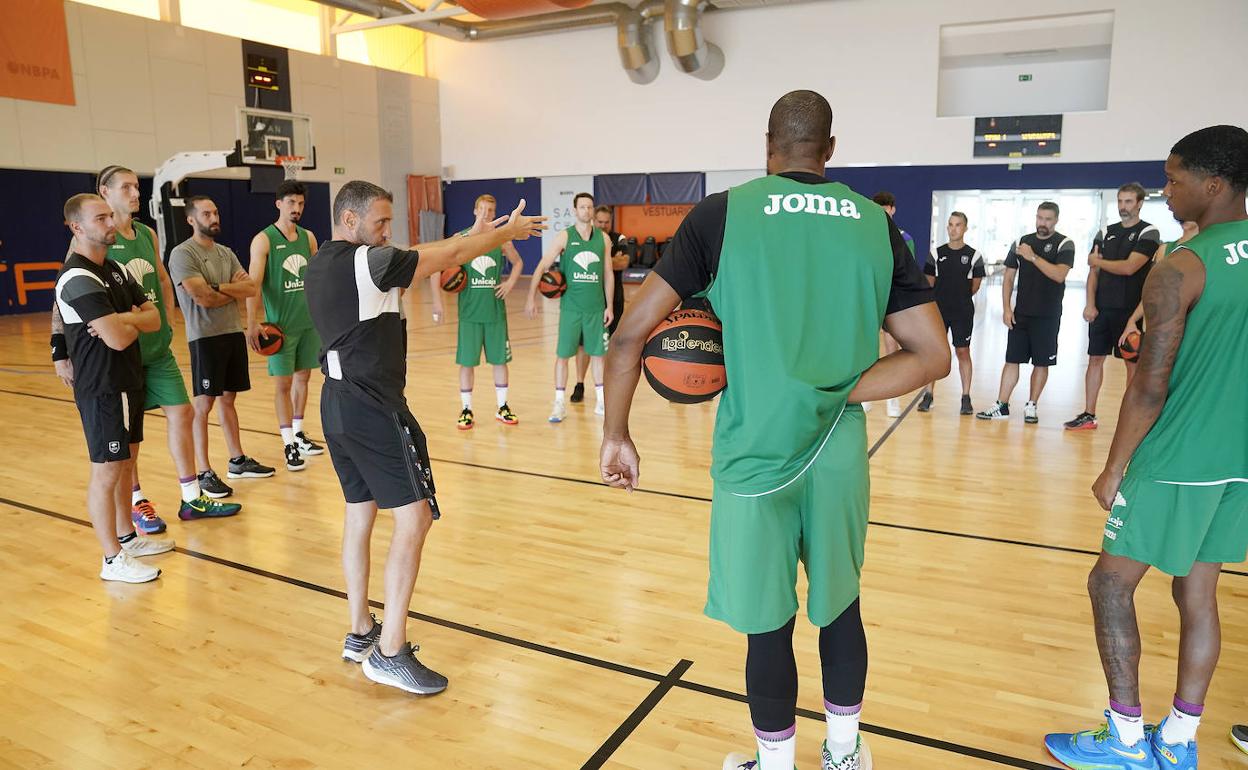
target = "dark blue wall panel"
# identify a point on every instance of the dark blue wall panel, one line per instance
(458, 199)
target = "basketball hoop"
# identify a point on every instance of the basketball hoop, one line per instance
(291, 164)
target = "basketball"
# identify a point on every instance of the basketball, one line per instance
(271, 339)
(454, 279)
(684, 357)
(552, 284)
(1130, 347)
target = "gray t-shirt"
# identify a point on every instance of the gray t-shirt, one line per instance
(216, 265)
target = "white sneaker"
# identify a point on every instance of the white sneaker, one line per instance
(123, 568)
(147, 546)
(894, 408)
(859, 760)
(599, 409)
(738, 761)
(1029, 413)
(558, 413)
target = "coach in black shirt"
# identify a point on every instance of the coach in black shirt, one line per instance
(354, 286)
(1040, 260)
(955, 272)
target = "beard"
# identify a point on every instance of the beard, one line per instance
(1043, 232)
(295, 216)
(210, 231)
(364, 238)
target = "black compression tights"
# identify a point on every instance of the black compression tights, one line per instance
(771, 669)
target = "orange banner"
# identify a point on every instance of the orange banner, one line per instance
(658, 220)
(34, 51)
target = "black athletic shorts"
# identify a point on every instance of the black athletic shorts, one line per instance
(219, 365)
(960, 328)
(111, 422)
(378, 454)
(1105, 330)
(1033, 340)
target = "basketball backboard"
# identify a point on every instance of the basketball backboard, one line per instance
(266, 136)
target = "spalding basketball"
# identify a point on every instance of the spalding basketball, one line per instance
(454, 279)
(1130, 347)
(271, 339)
(684, 357)
(552, 285)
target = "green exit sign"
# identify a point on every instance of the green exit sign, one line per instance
(340, 170)
(1024, 78)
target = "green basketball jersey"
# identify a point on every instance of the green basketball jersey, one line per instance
(477, 302)
(802, 289)
(1200, 436)
(584, 268)
(138, 256)
(285, 303)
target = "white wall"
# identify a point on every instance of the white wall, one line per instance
(561, 104)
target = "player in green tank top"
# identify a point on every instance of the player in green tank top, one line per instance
(802, 273)
(586, 308)
(282, 301)
(1175, 483)
(483, 318)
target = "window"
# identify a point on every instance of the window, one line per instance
(147, 8)
(394, 48)
(294, 24)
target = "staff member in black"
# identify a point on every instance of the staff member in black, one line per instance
(1041, 261)
(1121, 257)
(104, 310)
(955, 271)
(354, 288)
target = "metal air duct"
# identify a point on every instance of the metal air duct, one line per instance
(685, 44)
(634, 34)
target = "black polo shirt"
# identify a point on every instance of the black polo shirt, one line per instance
(954, 271)
(1037, 294)
(1123, 292)
(86, 291)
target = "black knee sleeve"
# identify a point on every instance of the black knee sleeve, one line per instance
(843, 653)
(771, 679)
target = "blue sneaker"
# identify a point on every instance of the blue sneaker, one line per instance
(1173, 756)
(1099, 749)
(143, 514)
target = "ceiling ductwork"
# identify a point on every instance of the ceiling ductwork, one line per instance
(685, 43)
(635, 34)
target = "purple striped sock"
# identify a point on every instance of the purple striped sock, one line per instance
(1191, 709)
(135, 488)
(188, 479)
(776, 737)
(1126, 711)
(842, 711)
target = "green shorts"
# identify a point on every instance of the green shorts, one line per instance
(820, 518)
(164, 384)
(301, 349)
(1173, 526)
(581, 330)
(492, 336)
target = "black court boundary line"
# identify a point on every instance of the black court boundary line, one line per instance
(621, 734)
(665, 682)
(699, 498)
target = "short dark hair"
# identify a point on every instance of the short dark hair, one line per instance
(1220, 151)
(884, 198)
(603, 210)
(357, 195)
(190, 203)
(73, 206)
(799, 118)
(1050, 206)
(291, 187)
(965, 221)
(107, 173)
(1136, 189)
(577, 198)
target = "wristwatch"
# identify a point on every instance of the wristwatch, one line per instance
(215, 286)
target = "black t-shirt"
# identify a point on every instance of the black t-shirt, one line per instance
(955, 270)
(86, 291)
(693, 257)
(355, 299)
(1037, 294)
(1122, 292)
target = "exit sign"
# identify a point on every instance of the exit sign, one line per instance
(1024, 78)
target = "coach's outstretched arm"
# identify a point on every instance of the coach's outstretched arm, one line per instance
(923, 358)
(485, 236)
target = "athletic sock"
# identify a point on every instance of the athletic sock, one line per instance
(1180, 726)
(123, 539)
(296, 425)
(501, 392)
(1129, 721)
(465, 398)
(598, 392)
(288, 434)
(136, 495)
(842, 728)
(776, 751)
(559, 395)
(190, 488)
(238, 460)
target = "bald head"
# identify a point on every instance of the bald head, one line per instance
(800, 124)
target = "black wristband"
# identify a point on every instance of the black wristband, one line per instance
(215, 287)
(60, 349)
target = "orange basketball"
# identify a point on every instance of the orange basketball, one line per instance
(552, 284)
(454, 279)
(271, 339)
(1130, 347)
(684, 357)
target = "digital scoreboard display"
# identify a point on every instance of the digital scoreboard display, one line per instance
(1020, 136)
(262, 72)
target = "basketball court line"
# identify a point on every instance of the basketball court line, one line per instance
(701, 499)
(664, 682)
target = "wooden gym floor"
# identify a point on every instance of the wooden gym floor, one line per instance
(567, 616)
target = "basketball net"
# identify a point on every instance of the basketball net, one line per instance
(291, 165)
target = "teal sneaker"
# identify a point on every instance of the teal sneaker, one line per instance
(1172, 756)
(859, 760)
(204, 507)
(1100, 749)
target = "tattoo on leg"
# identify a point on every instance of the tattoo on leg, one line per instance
(1117, 634)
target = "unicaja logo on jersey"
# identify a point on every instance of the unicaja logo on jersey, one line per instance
(294, 264)
(138, 270)
(810, 203)
(481, 265)
(585, 260)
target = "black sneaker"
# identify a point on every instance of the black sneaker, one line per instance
(1085, 421)
(294, 460)
(999, 412)
(966, 407)
(403, 671)
(925, 403)
(212, 485)
(308, 447)
(248, 468)
(358, 647)
(578, 393)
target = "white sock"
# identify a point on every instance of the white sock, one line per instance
(288, 434)
(598, 392)
(190, 489)
(136, 495)
(1130, 726)
(776, 751)
(465, 398)
(558, 395)
(1180, 726)
(842, 728)
(297, 425)
(501, 392)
